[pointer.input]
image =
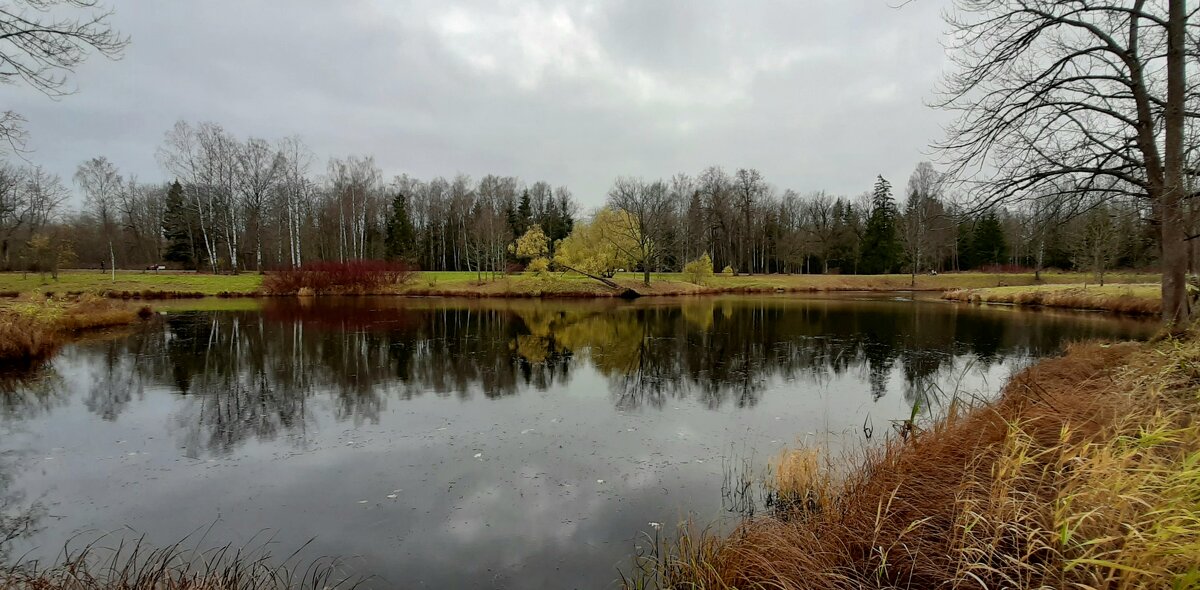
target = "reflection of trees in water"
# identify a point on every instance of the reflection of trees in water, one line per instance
(29, 393)
(18, 516)
(251, 375)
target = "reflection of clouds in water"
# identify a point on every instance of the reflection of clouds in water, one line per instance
(496, 419)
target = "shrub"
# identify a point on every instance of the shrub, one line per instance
(698, 270)
(354, 276)
(538, 266)
(727, 271)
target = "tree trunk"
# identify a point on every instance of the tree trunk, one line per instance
(592, 276)
(1175, 308)
(112, 256)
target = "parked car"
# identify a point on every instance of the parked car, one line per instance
(157, 267)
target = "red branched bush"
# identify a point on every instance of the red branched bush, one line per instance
(350, 277)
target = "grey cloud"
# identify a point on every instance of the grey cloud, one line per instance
(821, 94)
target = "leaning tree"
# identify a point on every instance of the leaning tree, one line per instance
(1082, 100)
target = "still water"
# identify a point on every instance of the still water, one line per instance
(496, 444)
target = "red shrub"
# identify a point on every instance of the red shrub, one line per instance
(353, 276)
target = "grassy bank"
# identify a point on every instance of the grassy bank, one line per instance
(33, 327)
(1135, 299)
(152, 285)
(466, 284)
(131, 282)
(1084, 474)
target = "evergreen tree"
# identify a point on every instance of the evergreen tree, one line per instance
(513, 220)
(176, 228)
(963, 246)
(880, 248)
(524, 214)
(400, 242)
(987, 243)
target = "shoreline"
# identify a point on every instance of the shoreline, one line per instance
(138, 286)
(1080, 474)
(1123, 299)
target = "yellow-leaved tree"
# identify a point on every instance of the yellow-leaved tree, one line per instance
(533, 246)
(699, 270)
(595, 247)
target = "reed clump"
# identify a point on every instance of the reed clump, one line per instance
(138, 566)
(34, 326)
(1083, 474)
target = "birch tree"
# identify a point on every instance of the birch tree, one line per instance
(101, 184)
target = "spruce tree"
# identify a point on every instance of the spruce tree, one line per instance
(176, 228)
(524, 214)
(400, 242)
(988, 243)
(880, 248)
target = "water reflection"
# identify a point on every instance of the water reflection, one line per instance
(252, 374)
(564, 425)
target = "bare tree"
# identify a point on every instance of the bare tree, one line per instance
(1096, 242)
(14, 205)
(640, 230)
(101, 185)
(922, 211)
(1084, 100)
(201, 157)
(140, 208)
(45, 193)
(749, 188)
(41, 42)
(259, 168)
(294, 192)
(822, 219)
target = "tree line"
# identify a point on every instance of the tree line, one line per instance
(235, 205)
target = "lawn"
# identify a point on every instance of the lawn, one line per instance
(468, 283)
(91, 281)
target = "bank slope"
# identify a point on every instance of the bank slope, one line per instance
(1083, 474)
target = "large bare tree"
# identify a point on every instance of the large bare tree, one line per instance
(923, 213)
(42, 41)
(1078, 99)
(646, 208)
(101, 185)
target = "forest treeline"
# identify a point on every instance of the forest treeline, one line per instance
(235, 205)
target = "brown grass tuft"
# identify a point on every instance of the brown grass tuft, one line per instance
(136, 566)
(1115, 299)
(34, 326)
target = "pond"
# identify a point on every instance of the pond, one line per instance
(486, 443)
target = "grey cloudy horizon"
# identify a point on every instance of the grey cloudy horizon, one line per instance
(816, 94)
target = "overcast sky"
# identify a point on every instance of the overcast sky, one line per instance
(817, 94)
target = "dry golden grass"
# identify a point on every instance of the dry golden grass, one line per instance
(33, 326)
(1125, 299)
(136, 566)
(1084, 474)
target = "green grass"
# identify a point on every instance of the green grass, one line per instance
(131, 280)
(468, 283)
